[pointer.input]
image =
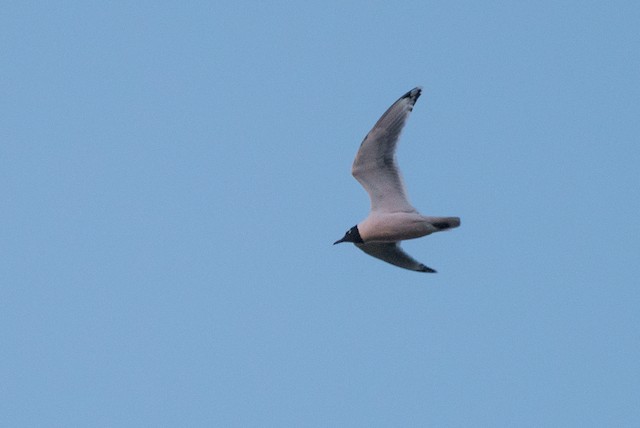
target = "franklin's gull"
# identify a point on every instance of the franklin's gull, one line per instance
(392, 218)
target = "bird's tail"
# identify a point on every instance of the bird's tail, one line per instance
(444, 223)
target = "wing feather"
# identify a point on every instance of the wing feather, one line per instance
(375, 165)
(391, 252)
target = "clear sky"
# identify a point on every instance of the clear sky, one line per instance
(173, 175)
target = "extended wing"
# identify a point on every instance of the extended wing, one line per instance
(375, 165)
(391, 252)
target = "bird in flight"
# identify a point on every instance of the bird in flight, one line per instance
(392, 218)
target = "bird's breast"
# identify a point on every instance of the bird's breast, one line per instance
(393, 227)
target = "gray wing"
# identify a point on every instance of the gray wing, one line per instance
(375, 164)
(391, 252)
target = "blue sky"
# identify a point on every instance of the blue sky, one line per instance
(174, 174)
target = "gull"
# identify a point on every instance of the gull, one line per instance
(392, 217)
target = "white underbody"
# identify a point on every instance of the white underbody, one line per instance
(399, 226)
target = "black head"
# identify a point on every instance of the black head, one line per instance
(352, 235)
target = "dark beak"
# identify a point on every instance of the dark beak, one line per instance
(339, 241)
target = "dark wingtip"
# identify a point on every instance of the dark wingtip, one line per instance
(413, 94)
(427, 269)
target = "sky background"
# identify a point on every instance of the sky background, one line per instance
(173, 175)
